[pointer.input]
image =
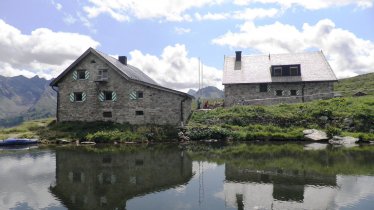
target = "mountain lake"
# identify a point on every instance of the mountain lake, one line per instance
(165, 177)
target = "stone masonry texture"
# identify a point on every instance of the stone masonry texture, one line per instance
(159, 106)
(249, 94)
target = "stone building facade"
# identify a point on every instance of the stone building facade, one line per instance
(274, 79)
(97, 87)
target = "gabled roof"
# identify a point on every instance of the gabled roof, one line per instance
(127, 71)
(256, 69)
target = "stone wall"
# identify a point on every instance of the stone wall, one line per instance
(158, 106)
(249, 94)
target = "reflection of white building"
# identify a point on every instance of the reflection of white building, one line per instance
(349, 191)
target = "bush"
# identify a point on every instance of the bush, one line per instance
(333, 131)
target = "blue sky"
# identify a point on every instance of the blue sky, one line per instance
(166, 38)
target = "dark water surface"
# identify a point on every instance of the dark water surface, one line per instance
(164, 177)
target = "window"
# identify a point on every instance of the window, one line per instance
(102, 74)
(285, 70)
(107, 159)
(138, 113)
(108, 95)
(294, 71)
(140, 94)
(293, 92)
(139, 162)
(77, 177)
(263, 87)
(279, 92)
(78, 96)
(277, 71)
(81, 74)
(107, 114)
(93, 61)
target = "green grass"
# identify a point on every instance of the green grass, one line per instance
(349, 86)
(26, 129)
(286, 121)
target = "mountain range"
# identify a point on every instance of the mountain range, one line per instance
(209, 92)
(23, 99)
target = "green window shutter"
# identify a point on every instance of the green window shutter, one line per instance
(114, 96)
(72, 97)
(101, 96)
(133, 95)
(75, 75)
(87, 74)
(84, 96)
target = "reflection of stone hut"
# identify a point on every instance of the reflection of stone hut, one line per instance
(88, 180)
(274, 188)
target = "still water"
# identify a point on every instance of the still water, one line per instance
(164, 177)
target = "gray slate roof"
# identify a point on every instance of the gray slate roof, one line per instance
(129, 72)
(256, 69)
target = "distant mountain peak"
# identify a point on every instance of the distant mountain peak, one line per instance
(209, 92)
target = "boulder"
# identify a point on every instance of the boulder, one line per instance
(315, 135)
(346, 141)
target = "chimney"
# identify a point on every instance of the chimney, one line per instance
(123, 60)
(238, 60)
(238, 56)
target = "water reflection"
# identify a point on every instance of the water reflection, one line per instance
(163, 178)
(92, 180)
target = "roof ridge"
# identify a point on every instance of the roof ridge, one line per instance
(255, 55)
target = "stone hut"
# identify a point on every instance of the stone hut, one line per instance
(277, 78)
(98, 87)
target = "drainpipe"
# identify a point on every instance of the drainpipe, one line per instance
(58, 103)
(181, 115)
(302, 92)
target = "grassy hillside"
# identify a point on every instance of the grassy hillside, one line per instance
(349, 86)
(349, 116)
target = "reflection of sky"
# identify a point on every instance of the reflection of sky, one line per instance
(197, 194)
(351, 192)
(25, 179)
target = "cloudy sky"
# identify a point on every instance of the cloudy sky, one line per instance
(166, 38)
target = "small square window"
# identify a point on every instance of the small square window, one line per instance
(279, 92)
(78, 96)
(102, 74)
(140, 94)
(293, 92)
(107, 114)
(107, 159)
(277, 71)
(81, 74)
(108, 95)
(263, 88)
(294, 71)
(138, 113)
(77, 177)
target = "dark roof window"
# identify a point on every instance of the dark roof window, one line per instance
(285, 70)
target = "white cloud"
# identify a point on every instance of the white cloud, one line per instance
(348, 54)
(212, 16)
(58, 6)
(69, 19)
(43, 52)
(246, 14)
(181, 30)
(123, 10)
(174, 69)
(311, 4)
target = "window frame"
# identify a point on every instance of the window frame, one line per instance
(295, 69)
(139, 94)
(107, 114)
(101, 73)
(81, 72)
(263, 87)
(108, 93)
(295, 92)
(278, 69)
(277, 91)
(139, 113)
(76, 94)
